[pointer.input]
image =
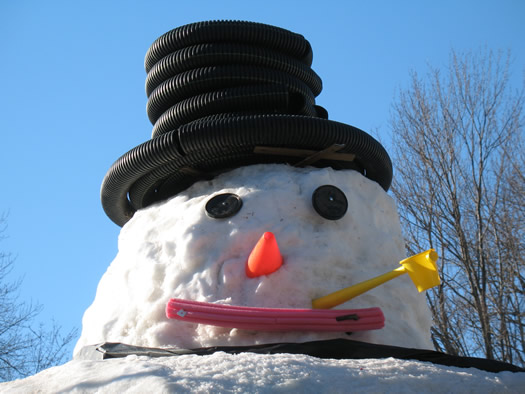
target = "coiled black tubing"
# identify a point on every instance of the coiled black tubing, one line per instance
(216, 91)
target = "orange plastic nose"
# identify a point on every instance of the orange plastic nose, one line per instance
(265, 257)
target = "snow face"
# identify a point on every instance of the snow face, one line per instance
(175, 250)
(258, 373)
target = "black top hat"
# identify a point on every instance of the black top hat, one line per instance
(225, 94)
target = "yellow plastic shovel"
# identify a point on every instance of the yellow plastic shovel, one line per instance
(421, 267)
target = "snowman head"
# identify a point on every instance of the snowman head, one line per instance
(190, 248)
(236, 136)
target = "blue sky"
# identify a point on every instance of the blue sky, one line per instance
(73, 101)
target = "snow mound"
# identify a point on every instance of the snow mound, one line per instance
(255, 373)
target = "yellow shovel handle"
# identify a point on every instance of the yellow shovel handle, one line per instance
(343, 295)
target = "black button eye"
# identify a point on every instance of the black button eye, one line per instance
(223, 205)
(329, 202)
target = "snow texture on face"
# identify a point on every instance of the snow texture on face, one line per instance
(175, 250)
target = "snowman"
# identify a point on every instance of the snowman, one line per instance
(247, 205)
(257, 244)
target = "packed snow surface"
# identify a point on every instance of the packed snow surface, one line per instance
(175, 250)
(256, 373)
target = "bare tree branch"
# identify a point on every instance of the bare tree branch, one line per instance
(460, 188)
(24, 350)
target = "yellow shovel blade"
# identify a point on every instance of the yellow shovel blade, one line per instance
(421, 267)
